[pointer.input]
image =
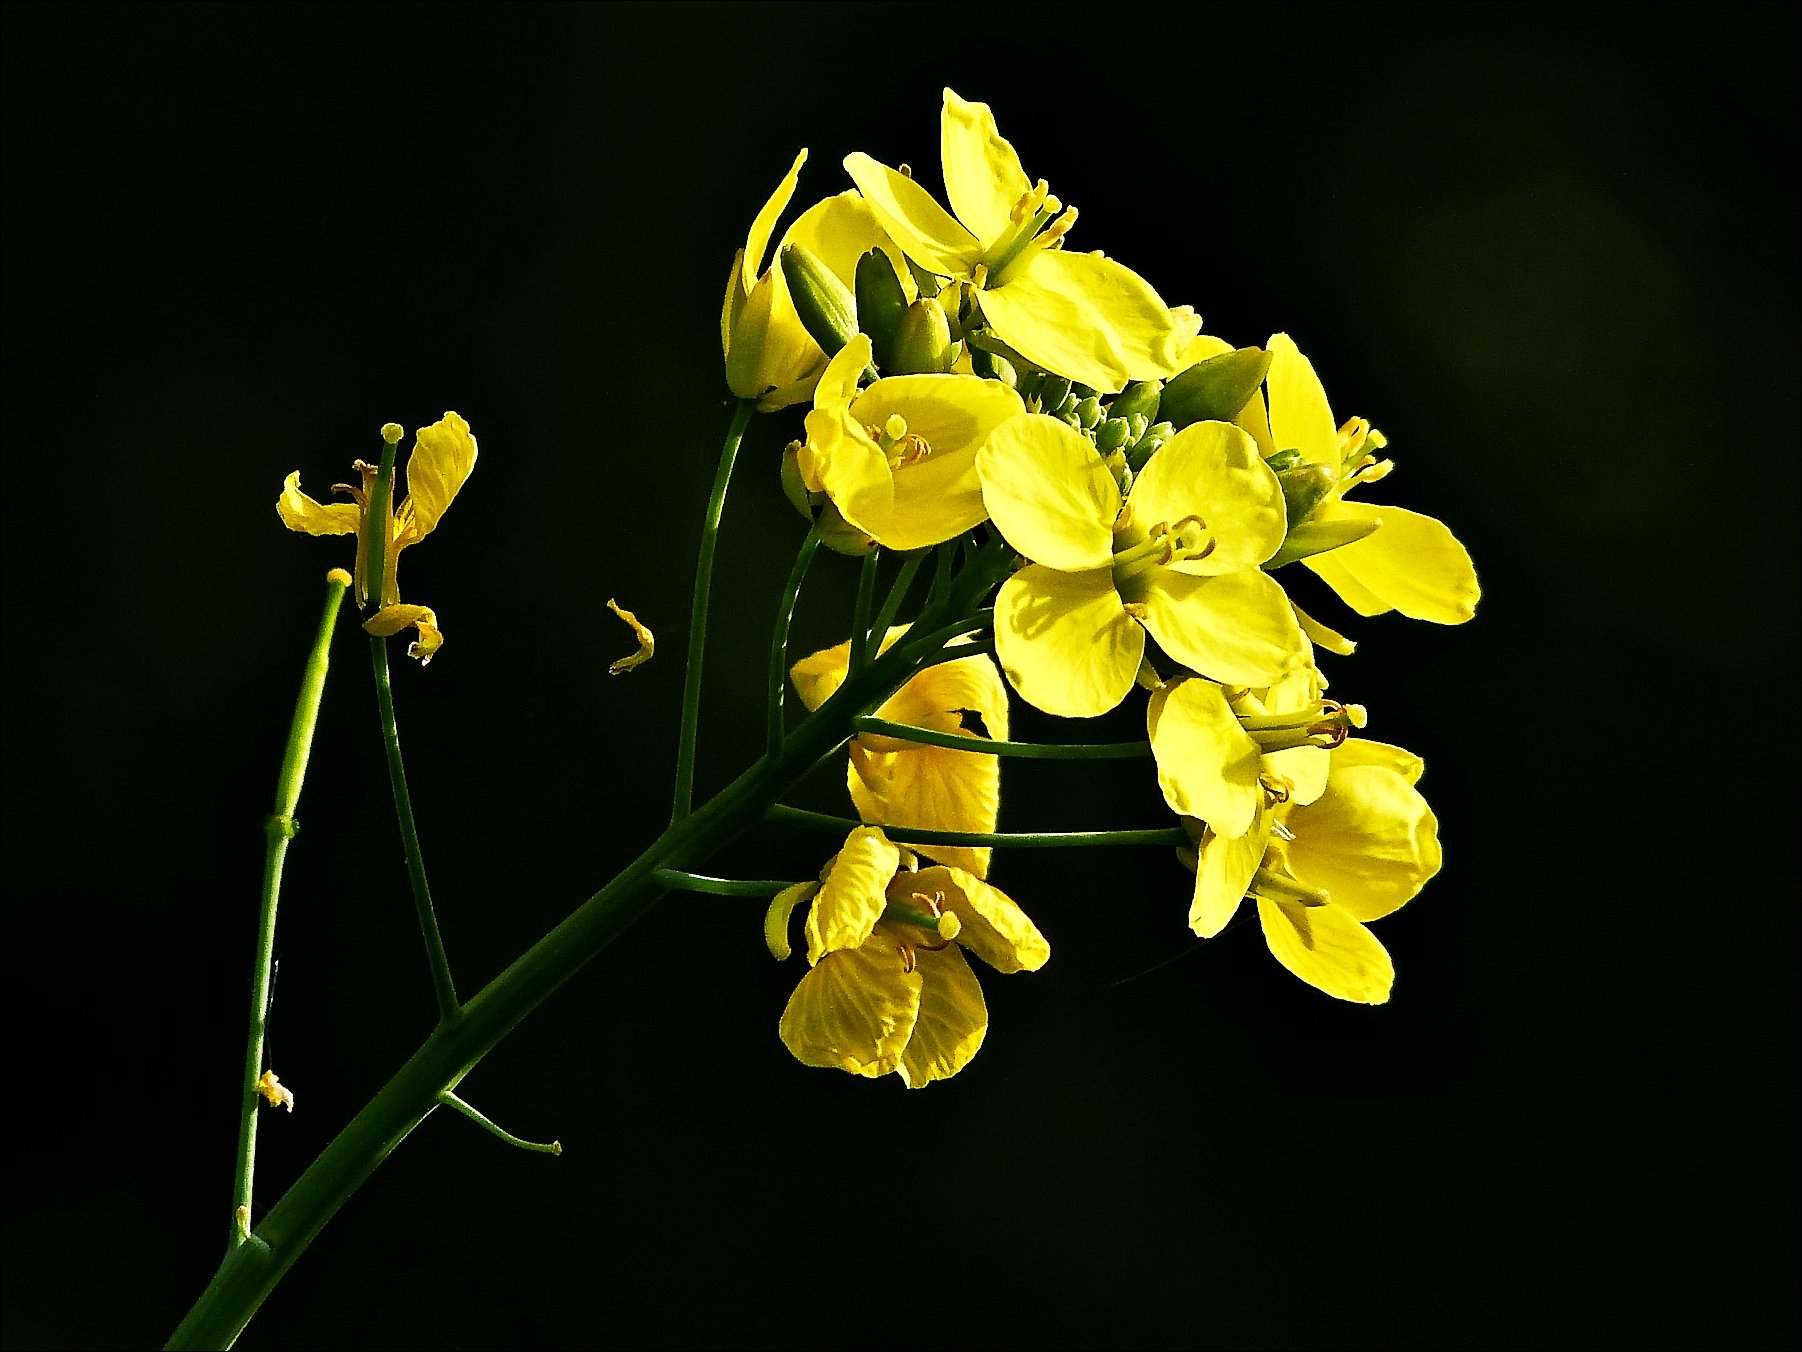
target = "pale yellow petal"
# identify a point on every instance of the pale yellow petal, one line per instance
(849, 467)
(1329, 950)
(994, 927)
(838, 383)
(951, 412)
(926, 232)
(299, 512)
(952, 1021)
(1411, 563)
(763, 225)
(935, 500)
(854, 1011)
(851, 898)
(1065, 640)
(1223, 870)
(1048, 492)
(1237, 629)
(776, 916)
(1212, 470)
(443, 456)
(1300, 418)
(1207, 766)
(932, 787)
(1321, 636)
(772, 359)
(734, 303)
(1370, 842)
(983, 177)
(935, 697)
(392, 619)
(1088, 318)
(818, 676)
(1364, 751)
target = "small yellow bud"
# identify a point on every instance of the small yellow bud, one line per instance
(392, 433)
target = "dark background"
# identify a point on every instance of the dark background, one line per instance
(1549, 250)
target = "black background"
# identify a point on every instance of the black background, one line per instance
(1549, 250)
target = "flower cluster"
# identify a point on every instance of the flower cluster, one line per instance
(974, 383)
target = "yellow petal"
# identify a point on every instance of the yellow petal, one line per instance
(1364, 751)
(983, 177)
(818, 676)
(443, 456)
(932, 787)
(1237, 629)
(1411, 563)
(1212, 470)
(1065, 640)
(994, 927)
(850, 467)
(1086, 317)
(925, 231)
(851, 898)
(1048, 492)
(763, 225)
(934, 698)
(734, 304)
(1223, 870)
(855, 1010)
(1300, 418)
(838, 383)
(840, 230)
(1207, 766)
(951, 412)
(952, 1021)
(1329, 950)
(1370, 842)
(776, 916)
(1321, 636)
(391, 619)
(299, 512)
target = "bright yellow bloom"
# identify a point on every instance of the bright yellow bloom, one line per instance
(1080, 315)
(1322, 871)
(907, 783)
(1178, 555)
(770, 356)
(889, 989)
(1411, 563)
(443, 456)
(899, 460)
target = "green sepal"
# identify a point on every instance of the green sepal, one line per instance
(1142, 449)
(840, 536)
(1304, 487)
(880, 303)
(1216, 389)
(1283, 460)
(1317, 537)
(792, 486)
(827, 308)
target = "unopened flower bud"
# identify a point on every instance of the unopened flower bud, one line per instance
(827, 309)
(923, 342)
(1215, 389)
(880, 304)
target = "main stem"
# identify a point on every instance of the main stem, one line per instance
(280, 828)
(443, 989)
(251, 1270)
(697, 616)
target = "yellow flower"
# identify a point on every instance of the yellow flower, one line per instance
(899, 460)
(910, 784)
(1178, 555)
(1080, 315)
(1322, 871)
(888, 988)
(1411, 563)
(770, 356)
(443, 456)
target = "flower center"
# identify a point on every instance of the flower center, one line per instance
(1034, 225)
(1164, 544)
(1325, 725)
(903, 448)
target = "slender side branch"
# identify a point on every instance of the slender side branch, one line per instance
(450, 1100)
(986, 746)
(860, 615)
(443, 988)
(785, 614)
(897, 593)
(280, 827)
(697, 617)
(680, 880)
(826, 821)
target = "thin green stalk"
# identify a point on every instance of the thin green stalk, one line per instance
(697, 615)
(785, 614)
(679, 880)
(897, 593)
(443, 988)
(826, 821)
(375, 525)
(450, 1100)
(860, 614)
(944, 559)
(1024, 750)
(453, 1048)
(280, 829)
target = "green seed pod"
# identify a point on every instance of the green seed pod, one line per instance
(1215, 389)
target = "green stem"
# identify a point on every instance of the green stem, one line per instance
(860, 614)
(443, 989)
(450, 1100)
(897, 593)
(280, 829)
(679, 880)
(785, 614)
(697, 615)
(454, 1047)
(376, 527)
(1024, 750)
(1044, 840)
